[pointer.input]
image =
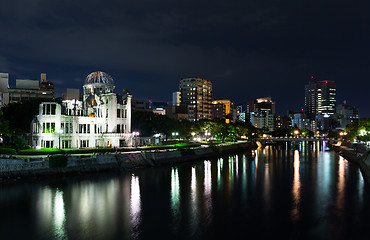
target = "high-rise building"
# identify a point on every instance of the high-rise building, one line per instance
(196, 94)
(320, 98)
(176, 99)
(4, 85)
(320, 103)
(26, 89)
(240, 113)
(347, 114)
(218, 111)
(261, 113)
(228, 105)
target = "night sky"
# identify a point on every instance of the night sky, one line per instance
(248, 49)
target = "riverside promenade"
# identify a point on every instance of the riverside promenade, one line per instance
(355, 152)
(20, 168)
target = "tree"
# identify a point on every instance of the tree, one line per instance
(4, 125)
(19, 115)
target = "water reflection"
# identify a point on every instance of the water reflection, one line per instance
(194, 219)
(296, 187)
(341, 183)
(59, 216)
(175, 198)
(51, 210)
(219, 171)
(309, 191)
(208, 191)
(175, 190)
(135, 206)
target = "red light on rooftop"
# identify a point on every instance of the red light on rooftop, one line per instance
(326, 81)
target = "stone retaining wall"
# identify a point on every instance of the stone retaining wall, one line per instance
(357, 153)
(21, 168)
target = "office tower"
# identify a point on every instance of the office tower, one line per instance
(196, 94)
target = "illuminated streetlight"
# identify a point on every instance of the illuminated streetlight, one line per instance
(296, 132)
(135, 134)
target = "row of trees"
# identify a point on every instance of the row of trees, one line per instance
(359, 130)
(149, 124)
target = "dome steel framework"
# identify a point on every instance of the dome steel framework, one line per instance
(99, 78)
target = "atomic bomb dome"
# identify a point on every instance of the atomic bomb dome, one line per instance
(98, 83)
(99, 78)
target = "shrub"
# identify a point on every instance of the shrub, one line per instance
(57, 161)
(42, 151)
(5, 150)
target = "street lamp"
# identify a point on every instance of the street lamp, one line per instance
(193, 134)
(135, 139)
(207, 134)
(175, 134)
(296, 132)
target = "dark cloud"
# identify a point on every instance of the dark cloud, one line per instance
(248, 49)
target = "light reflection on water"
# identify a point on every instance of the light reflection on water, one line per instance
(296, 187)
(297, 190)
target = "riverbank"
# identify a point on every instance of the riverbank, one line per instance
(356, 153)
(29, 169)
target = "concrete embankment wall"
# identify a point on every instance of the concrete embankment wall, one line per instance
(18, 169)
(357, 153)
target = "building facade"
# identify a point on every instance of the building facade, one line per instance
(228, 109)
(261, 113)
(347, 114)
(303, 122)
(196, 94)
(4, 85)
(320, 103)
(320, 98)
(176, 98)
(26, 89)
(218, 111)
(101, 119)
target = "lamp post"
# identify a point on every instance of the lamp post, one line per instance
(207, 134)
(135, 138)
(175, 134)
(296, 132)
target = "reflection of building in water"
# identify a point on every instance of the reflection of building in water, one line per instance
(175, 190)
(101, 119)
(341, 183)
(52, 210)
(135, 206)
(296, 187)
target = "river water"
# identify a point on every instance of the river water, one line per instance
(287, 191)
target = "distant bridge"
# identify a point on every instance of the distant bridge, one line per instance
(295, 139)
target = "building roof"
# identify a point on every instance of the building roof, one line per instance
(99, 78)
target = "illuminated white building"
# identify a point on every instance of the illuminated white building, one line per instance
(101, 119)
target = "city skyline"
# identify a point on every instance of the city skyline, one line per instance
(247, 50)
